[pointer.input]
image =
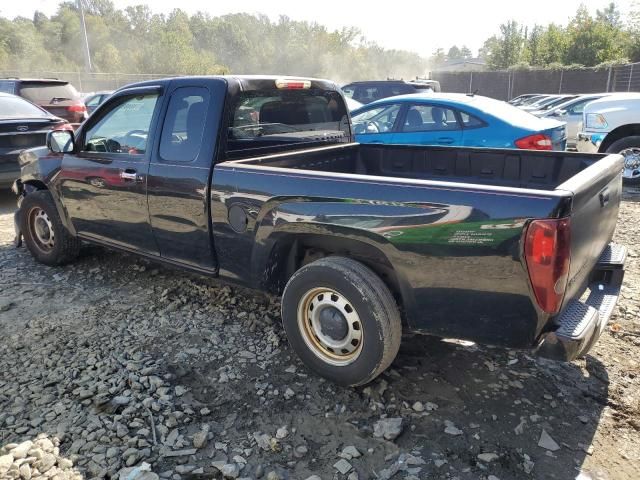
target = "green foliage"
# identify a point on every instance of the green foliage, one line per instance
(585, 41)
(136, 40)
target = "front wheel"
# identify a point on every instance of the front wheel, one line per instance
(629, 148)
(44, 234)
(341, 320)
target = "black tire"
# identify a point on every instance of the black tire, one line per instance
(622, 144)
(358, 289)
(63, 246)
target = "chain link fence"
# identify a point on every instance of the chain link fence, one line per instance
(502, 85)
(88, 82)
(505, 85)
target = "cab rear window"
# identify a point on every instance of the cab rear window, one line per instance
(270, 118)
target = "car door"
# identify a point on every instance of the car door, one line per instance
(104, 182)
(178, 181)
(377, 123)
(428, 124)
(572, 115)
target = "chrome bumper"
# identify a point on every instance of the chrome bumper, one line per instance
(581, 323)
(589, 142)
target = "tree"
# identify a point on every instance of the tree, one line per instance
(506, 50)
(454, 53)
(136, 40)
(609, 16)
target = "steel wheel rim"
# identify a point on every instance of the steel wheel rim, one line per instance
(335, 351)
(41, 228)
(631, 158)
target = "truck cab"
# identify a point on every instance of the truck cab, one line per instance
(612, 125)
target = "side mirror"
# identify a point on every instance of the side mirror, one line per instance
(559, 113)
(60, 141)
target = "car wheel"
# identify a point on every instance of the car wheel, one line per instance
(44, 234)
(341, 320)
(629, 148)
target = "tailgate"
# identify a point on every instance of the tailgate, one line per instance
(594, 212)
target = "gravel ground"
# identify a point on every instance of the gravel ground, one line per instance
(112, 362)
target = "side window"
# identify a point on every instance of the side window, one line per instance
(7, 86)
(93, 101)
(183, 127)
(376, 120)
(124, 128)
(368, 94)
(578, 108)
(348, 91)
(429, 118)
(469, 121)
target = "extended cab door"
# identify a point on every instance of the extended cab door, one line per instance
(104, 183)
(180, 168)
(424, 124)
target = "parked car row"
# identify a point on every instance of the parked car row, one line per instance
(599, 122)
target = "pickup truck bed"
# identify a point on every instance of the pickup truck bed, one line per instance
(255, 180)
(450, 222)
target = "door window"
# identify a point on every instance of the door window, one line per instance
(7, 86)
(124, 128)
(376, 120)
(469, 121)
(93, 101)
(429, 118)
(184, 124)
(578, 107)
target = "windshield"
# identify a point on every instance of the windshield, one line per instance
(15, 107)
(267, 118)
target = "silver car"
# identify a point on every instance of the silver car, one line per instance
(570, 112)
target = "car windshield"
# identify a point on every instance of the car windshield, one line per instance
(16, 107)
(263, 118)
(44, 93)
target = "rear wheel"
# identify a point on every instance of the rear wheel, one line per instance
(629, 148)
(341, 320)
(44, 234)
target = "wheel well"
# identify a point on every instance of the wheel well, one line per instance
(618, 133)
(293, 252)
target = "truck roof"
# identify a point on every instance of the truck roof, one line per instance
(244, 82)
(614, 99)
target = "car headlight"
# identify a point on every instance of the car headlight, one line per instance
(596, 120)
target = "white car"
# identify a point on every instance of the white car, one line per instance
(571, 113)
(612, 125)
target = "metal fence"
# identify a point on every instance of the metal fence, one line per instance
(88, 82)
(502, 84)
(508, 84)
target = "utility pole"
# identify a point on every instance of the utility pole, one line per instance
(85, 38)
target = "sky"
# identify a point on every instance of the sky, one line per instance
(419, 26)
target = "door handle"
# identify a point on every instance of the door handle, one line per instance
(445, 140)
(130, 174)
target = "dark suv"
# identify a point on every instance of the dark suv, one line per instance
(56, 96)
(368, 91)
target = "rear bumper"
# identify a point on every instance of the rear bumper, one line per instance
(581, 323)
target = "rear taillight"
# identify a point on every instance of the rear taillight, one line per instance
(78, 107)
(535, 142)
(547, 251)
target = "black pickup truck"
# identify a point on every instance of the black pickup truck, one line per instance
(256, 180)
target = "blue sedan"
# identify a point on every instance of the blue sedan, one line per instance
(457, 120)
